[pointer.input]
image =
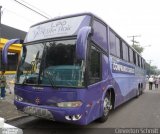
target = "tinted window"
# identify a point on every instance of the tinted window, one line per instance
(95, 65)
(139, 61)
(60, 52)
(136, 59)
(130, 55)
(100, 34)
(12, 61)
(142, 61)
(117, 47)
(125, 51)
(51, 63)
(112, 42)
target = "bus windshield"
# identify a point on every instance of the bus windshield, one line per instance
(51, 63)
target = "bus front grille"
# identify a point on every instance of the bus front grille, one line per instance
(39, 112)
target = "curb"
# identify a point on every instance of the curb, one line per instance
(15, 118)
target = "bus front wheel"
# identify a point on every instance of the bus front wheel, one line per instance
(107, 106)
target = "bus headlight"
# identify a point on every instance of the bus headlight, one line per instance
(73, 117)
(70, 104)
(18, 98)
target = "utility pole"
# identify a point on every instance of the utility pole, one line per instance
(133, 38)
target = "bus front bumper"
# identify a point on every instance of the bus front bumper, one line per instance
(69, 115)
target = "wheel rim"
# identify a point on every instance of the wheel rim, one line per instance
(106, 106)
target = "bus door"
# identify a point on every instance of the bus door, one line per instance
(98, 75)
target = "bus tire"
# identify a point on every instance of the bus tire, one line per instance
(107, 106)
(141, 89)
(138, 92)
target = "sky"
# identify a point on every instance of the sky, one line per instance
(126, 17)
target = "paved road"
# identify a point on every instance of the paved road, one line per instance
(143, 112)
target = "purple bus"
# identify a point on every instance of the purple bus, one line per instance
(75, 69)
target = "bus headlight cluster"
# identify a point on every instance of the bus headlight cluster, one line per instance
(18, 98)
(70, 104)
(73, 117)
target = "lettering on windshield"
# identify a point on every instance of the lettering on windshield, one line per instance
(56, 28)
(60, 27)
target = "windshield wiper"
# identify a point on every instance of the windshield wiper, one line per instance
(42, 67)
(49, 76)
(28, 79)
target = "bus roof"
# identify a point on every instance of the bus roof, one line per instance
(63, 17)
(89, 14)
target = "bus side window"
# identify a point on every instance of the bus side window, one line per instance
(100, 34)
(134, 57)
(131, 55)
(95, 66)
(142, 61)
(125, 52)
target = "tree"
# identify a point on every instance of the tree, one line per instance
(152, 70)
(138, 48)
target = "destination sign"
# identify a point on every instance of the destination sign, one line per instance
(57, 28)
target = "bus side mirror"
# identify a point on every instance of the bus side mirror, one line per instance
(23, 54)
(5, 49)
(81, 44)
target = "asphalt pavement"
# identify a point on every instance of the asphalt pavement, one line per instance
(7, 109)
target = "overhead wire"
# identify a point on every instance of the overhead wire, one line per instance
(37, 8)
(25, 18)
(32, 9)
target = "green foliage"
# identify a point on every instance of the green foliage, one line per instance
(152, 70)
(138, 48)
